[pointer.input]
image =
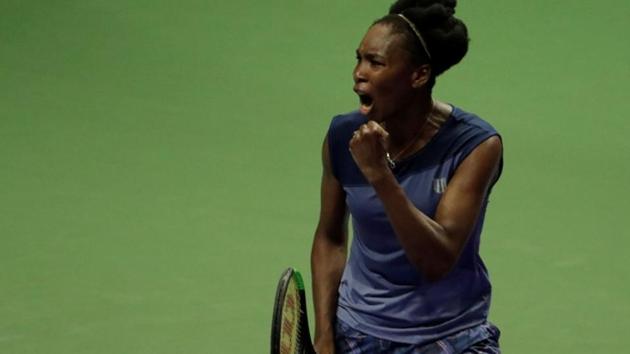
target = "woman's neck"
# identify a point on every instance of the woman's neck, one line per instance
(411, 136)
(408, 125)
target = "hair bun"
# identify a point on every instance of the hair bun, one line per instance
(451, 4)
(402, 5)
(445, 36)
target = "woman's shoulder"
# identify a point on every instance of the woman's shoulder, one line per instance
(347, 121)
(468, 120)
(343, 126)
(340, 132)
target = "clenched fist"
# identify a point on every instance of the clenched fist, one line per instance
(368, 147)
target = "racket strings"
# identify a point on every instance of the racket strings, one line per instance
(290, 331)
(291, 326)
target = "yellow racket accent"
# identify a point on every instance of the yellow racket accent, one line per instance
(290, 333)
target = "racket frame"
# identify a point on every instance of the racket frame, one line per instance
(276, 325)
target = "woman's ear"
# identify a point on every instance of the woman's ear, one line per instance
(421, 76)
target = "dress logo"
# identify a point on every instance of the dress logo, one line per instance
(439, 185)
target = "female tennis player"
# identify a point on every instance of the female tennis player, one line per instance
(415, 174)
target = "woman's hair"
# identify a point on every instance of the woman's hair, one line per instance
(444, 35)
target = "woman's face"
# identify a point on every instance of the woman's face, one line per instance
(383, 74)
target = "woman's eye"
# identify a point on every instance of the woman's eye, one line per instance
(376, 63)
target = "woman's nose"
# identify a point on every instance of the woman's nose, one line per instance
(359, 74)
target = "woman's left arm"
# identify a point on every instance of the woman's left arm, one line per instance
(432, 245)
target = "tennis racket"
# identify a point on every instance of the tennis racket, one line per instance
(289, 326)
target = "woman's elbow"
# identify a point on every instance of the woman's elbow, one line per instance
(438, 270)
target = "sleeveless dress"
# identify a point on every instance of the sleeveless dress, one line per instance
(381, 293)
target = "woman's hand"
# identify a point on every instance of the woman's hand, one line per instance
(368, 147)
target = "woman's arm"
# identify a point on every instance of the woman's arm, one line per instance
(328, 256)
(432, 245)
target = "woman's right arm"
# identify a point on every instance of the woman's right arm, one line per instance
(328, 256)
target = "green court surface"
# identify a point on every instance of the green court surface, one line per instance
(160, 165)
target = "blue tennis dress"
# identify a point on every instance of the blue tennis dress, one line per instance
(381, 293)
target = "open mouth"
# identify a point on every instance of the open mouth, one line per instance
(366, 103)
